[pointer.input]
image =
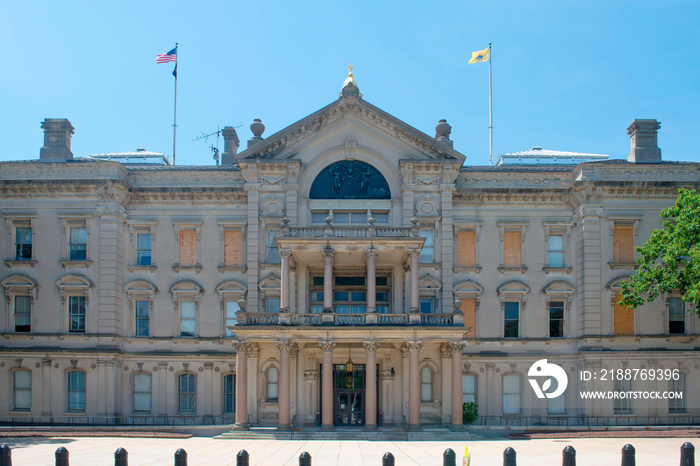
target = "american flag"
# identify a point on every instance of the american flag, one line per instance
(167, 57)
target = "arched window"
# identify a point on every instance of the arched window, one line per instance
(426, 384)
(272, 383)
(230, 394)
(22, 386)
(511, 394)
(187, 393)
(76, 391)
(350, 179)
(142, 392)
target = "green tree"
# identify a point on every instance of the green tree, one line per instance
(670, 260)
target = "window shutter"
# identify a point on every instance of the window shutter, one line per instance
(466, 249)
(233, 248)
(188, 248)
(511, 249)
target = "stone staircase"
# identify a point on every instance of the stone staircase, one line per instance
(351, 433)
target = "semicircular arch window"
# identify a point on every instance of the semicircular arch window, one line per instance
(350, 179)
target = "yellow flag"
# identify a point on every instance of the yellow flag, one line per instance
(481, 55)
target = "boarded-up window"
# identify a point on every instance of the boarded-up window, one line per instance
(466, 249)
(511, 249)
(188, 248)
(623, 318)
(468, 307)
(233, 248)
(623, 243)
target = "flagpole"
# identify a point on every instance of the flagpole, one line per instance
(490, 113)
(175, 106)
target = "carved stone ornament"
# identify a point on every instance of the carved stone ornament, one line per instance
(285, 345)
(326, 345)
(456, 346)
(371, 346)
(414, 345)
(241, 346)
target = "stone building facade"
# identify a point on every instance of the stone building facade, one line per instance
(242, 293)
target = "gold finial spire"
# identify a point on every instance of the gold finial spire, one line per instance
(350, 67)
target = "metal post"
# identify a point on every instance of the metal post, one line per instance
(509, 457)
(6, 456)
(62, 457)
(628, 456)
(568, 456)
(242, 458)
(180, 457)
(121, 457)
(388, 459)
(449, 458)
(687, 454)
(305, 459)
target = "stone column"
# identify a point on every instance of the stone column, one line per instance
(284, 281)
(241, 385)
(414, 253)
(327, 317)
(46, 387)
(327, 384)
(371, 280)
(163, 388)
(284, 385)
(371, 384)
(208, 389)
(455, 347)
(413, 384)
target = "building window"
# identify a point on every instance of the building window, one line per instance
(427, 305)
(272, 305)
(511, 394)
(76, 314)
(426, 384)
(676, 315)
(319, 217)
(23, 243)
(623, 243)
(622, 405)
(623, 318)
(229, 394)
(556, 405)
(232, 308)
(272, 383)
(556, 251)
(187, 318)
(350, 295)
(677, 405)
(22, 390)
(78, 244)
(466, 248)
(143, 249)
(468, 388)
(187, 393)
(188, 248)
(350, 217)
(23, 314)
(143, 318)
(142, 392)
(556, 319)
(233, 248)
(76, 391)
(511, 249)
(511, 319)
(427, 254)
(273, 254)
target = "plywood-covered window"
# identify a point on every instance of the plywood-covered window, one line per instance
(623, 318)
(188, 248)
(623, 243)
(511, 249)
(233, 248)
(468, 307)
(466, 248)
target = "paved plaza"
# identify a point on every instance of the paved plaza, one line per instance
(86, 451)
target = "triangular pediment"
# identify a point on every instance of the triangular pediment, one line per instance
(355, 112)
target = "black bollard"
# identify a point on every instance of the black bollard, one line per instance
(687, 454)
(388, 459)
(509, 457)
(5, 456)
(568, 456)
(242, 458)
(449, 458)
(180, 457)
(305, 459)
(628, 455)
(121, 457)
(62, 457)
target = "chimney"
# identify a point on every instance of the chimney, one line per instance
(57, 135)
(231, 144)
(645, 145)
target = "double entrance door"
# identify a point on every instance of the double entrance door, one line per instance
(348, 395)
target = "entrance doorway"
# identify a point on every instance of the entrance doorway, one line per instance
(348, 395)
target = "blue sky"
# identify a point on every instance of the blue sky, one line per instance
(567, 75)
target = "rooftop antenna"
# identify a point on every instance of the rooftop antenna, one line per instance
(205, 137)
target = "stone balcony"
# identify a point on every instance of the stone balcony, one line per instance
(350, 320)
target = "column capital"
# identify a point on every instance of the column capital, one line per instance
(414, 345)
(327, 251)
(285, 345)
(285, 252)
(371, 345)
(456, 346)
(413, 252)
(241, 346)
(326, 345)
(372, 252)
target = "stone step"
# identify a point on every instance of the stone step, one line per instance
(389, 434)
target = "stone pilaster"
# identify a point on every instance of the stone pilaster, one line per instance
(110, 260)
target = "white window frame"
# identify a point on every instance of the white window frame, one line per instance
(67, 223)
(563, 229)
(135, 393)
(678, 405)
(519, 393)
(181, 393)
(19, 285)
(140, 290)
(135, 228)
(15, 221)
(75, 285)
(476, 386)
(17, 391)
(514, 291)
(560, 291)
(185, 290)
(689, 312)
(430, 227)
(622, 405)
(69, 405)
(230, 291)
(226, 393)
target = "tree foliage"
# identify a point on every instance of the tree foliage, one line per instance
(670, 260)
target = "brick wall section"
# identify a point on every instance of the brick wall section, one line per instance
(233, 248)
(466, 249)
(188, 248)
(623, 319)
(468, 307)
(623, 243)
(511, 249)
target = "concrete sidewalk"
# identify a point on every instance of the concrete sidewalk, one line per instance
(90, 451)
